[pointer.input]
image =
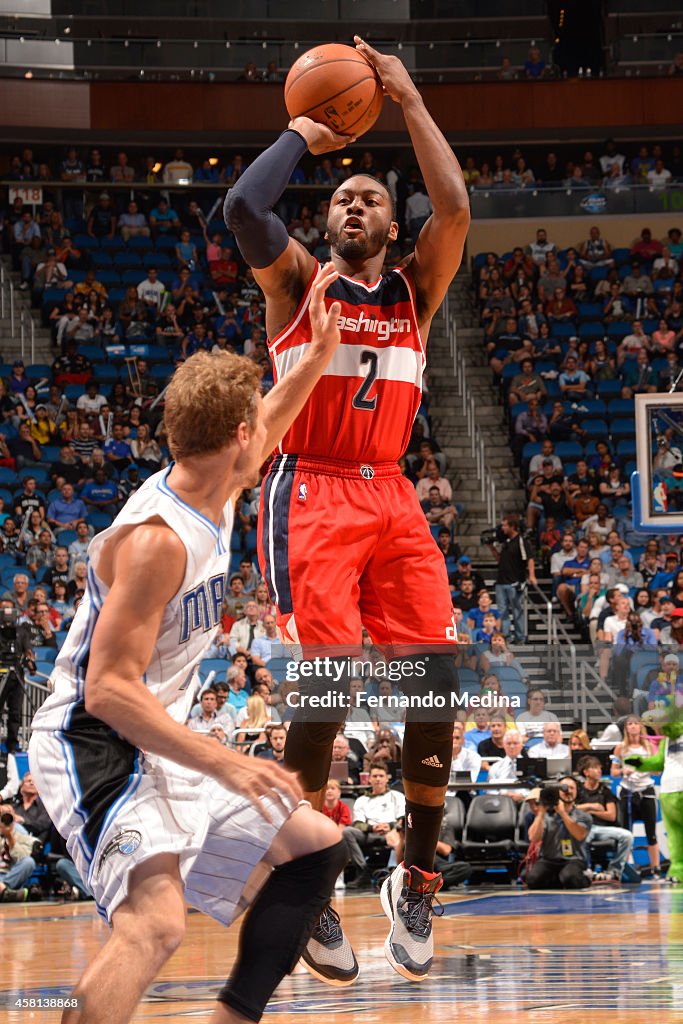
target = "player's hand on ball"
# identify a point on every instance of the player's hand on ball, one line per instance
(325, 336)
(319, 137)
(392, 72)
(255, 779)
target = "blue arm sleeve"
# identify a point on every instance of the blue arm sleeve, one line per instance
(248, 206)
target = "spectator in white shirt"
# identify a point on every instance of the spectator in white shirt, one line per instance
(373, 818)
(464, 759)
(552, 746)
(659, 177)
(541, 248)
(418, 211)
(133, 223)
(11, 787)
(177, 171)
(534, 719)
(92, 401)
(505, 770)
(246, 630)
(209, 715)
(433, 479)
(262, 647)
(151, 291)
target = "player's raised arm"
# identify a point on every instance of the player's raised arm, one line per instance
(438, 250)
(286, 400)
(249, 207)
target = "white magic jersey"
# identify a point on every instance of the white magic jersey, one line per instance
(190, 619)
(672, 776)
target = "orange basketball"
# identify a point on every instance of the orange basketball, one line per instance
(335, 85)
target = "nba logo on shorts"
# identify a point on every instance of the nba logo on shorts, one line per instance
(302, 492)
(367, 472)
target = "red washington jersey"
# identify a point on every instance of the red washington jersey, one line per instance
(363, 407)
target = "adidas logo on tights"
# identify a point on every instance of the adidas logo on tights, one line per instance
(432, 762)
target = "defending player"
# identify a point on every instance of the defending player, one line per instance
(343, 540)
(153, 813)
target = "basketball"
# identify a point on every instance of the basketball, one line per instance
(335, 85)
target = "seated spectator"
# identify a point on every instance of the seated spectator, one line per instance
(551, 746)
(246, 630)
(209, 715)
(342, 754)
(133, 223)
(224, 272)
(530, 425)
(527, 383)
(561, 834)
(636, 284)
(186, 252)
(614, 491)
(464, 758)
(499, 654)
(334, 807)
(438, 511)
(560, 308)
(492, 747)
(547, 501)
(574, 383)
(151, 291)
(646, 247)
(475, 619)
(274, 750)
(101, 494)
(102, 220)
(236, 679)
(433, 478)
(541, 248)
(505, 770)
(384, 748)
(163, 219)
(374, 816)
(307, 234)
(596, 250)
(535, 67)
(535, 717)
(64, 512)
(597, 799)
(117, 450)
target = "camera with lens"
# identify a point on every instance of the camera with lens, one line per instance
(495, 536)
(550, 796)
(6, 819)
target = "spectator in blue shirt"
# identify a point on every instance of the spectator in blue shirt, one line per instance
(101, 494)
(535, 66)
(572, 571)
(163, 219)
(117, 450)
(573, 381)
(63, 513)
(236, 679)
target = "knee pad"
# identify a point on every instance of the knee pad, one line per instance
(308, 751)
(427, 749)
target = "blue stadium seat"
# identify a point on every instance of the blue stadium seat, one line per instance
(109, 278)
(127, 260)
(568, 450)
(67, 537)
(162, 371)
(469, 681)
(8, 476)
(479, 261)
(598, 274)
(608, 388)
(621, 407)
(626, 449)
(36, 371)
(95, 353)
(621, 256)
(563, 330)
(41, 475)
(107, 373)
(116, 295)
(530, 449)
(74, 391)
(158, 259)
(217, 665)
(45, 654)
(85, 242)
(51, 296)
(590, 311)
(140, 243)
(591, 331)
(100, 520)
(593, 407)
(618, 330)
(76, 276)
(166, 242)
(167, 277)
(650, 325)
(157, 353)
(100, 259)
(112, 244)
(50, 452)
(622, 428)
(61, 635)
(518, 408)
(132, 277)
(596, 429)
(7, 496)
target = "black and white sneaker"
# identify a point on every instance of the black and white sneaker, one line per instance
(328, 955)
(407, 896)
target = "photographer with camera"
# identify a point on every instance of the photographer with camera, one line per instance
(16, 863)
(561, 829)
(15, 651)
(515, 566)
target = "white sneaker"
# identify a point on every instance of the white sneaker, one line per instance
(328, 955)
(340, 883)
(407, 896)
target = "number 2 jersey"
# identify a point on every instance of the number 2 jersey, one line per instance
(363, 407)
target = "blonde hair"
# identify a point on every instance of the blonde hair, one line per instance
(257, 716)
(207, 399)
(643, 738)
(580, 735)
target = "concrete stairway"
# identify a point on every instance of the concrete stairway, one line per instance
(450, 425)
(11, 339)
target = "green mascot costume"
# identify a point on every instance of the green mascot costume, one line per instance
(667, 718)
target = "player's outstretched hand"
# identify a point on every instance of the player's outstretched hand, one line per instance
(319, 137)
(392, 72)
(255, 778)
(325, 334)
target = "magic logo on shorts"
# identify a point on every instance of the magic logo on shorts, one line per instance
(126, 843)
(201, 607)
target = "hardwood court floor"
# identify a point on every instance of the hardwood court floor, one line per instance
(503, 955)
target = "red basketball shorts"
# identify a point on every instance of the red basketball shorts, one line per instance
(344, 545)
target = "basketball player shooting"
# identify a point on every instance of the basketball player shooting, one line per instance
(343, 540)
(154, 814)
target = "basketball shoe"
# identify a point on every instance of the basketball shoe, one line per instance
(328, 955)
(407, 896)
